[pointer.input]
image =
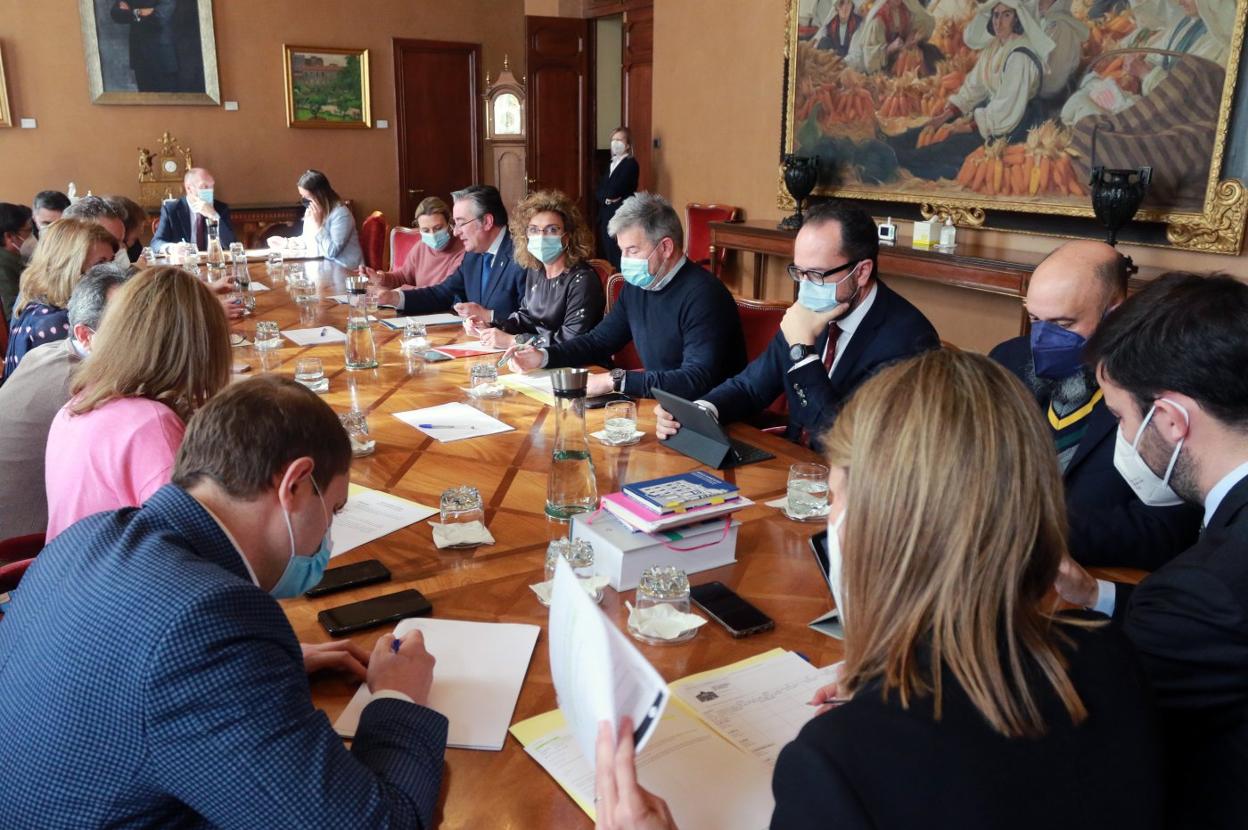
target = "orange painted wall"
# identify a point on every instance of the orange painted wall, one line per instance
(255, 157)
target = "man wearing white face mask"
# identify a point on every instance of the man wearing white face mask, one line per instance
(17, 232)
(1171, 361)
(845, 326)
(186, 219)
(194, 708)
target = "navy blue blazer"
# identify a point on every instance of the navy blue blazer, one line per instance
(1109, 526)
(175, 224)
(147, 682)
(504, 293)
(892, 330)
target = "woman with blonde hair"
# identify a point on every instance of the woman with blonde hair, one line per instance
(964, 699)
(436, 257)
(563, 296)
(163, 349)
(68, 248)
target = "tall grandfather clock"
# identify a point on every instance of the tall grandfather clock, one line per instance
(504, 134)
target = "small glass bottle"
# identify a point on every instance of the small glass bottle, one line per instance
(572, 486)
(948, 235)
(361, 349)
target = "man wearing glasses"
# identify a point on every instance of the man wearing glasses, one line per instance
(489, 283)
(845, 325)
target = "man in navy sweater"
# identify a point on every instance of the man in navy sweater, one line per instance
(845, 325)
(682, 319)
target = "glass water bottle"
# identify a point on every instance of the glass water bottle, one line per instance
(571, 488)
(215, 254)
(361, 350)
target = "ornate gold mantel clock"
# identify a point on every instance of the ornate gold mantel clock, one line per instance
(160, 173)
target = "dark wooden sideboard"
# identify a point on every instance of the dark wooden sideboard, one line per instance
(250, 220)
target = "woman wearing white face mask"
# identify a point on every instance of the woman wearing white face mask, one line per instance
(964, 700)
(618, 184)
(433, 259)
(563, 296)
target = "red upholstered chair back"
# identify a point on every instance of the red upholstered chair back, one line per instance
(698, 232)
(12, 573)
(627, 357)
(373, 239)
(16, 554)
(605, 271)
(760, 321)
(402, 240)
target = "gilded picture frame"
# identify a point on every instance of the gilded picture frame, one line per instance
(160, 52)
(327, 87)
(872, 111)
(6, 114)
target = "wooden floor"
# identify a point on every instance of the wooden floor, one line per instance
(507, 789)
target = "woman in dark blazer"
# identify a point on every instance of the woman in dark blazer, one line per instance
(964, 701)
(619, 183)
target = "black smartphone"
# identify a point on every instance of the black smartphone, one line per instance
(341, 578)
(599, 401)
(819, 547)
(729, 610)
(377, 611)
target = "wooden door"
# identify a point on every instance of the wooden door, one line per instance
(560, 129)
(638, 70)
(437, 119)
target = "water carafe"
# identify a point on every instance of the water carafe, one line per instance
(361, 350)
(216, 255)
(571, 488)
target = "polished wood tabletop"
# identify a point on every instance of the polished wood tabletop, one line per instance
(774, 570)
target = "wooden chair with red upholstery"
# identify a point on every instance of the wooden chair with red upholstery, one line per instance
(605, 271)
(402, 240)
(373, 240)
(627, 357)
(760, 320)
(698, 219)
(16, 555)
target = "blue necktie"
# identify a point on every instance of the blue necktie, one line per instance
(486, 265)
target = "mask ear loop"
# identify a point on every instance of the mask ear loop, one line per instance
(1174, 457)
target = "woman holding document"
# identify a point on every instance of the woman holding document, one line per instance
(964, 700)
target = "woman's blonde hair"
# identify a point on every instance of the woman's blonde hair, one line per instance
(580, 246)
(164, 337)
(59, 261)
(432, 206)
(954, 530)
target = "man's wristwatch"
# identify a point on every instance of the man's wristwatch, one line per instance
(617, 380)
(800, 351)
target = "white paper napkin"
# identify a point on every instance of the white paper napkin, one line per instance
(781, 503)
(460, 534)
(593, 586)
(602, 436)
(662, 622)
(259, 286)
(237, 340)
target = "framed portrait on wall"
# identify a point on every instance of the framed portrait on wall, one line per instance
(1006, 106)
(150, 51)
(327, 87)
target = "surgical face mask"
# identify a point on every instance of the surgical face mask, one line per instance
(1056, 352)
(636, 270)
(122, 259)
(205, 195)
(437, 240)
(546, 248)
(618, 147)
(835, 565)
(1153, 491)
(304, 572)
(27, 250)
(821, 298)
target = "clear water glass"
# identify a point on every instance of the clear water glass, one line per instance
(462, 505)
(273, 263)
(484, 377)
(148, 256)
(662, 585)
(579, 553)
(237, 250)
(415, 337)
(621, 422)
(355, 423)
(807, 496)
(311, 373)
(302, 291)
(268, 335)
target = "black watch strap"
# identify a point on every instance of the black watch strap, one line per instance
(800, 351)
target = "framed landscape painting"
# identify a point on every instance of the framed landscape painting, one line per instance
(962, 106)
(150, 51)
(327, 87)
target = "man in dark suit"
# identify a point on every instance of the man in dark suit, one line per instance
(152, 680)
(153, 46)
(845, 325)
(186, 219)
(1171, 363)
(1067, 297)
(489, 284)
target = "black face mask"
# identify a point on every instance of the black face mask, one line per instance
(135, 251)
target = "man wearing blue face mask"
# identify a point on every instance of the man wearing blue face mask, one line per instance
(681, 319)
(1171, 361)
(186, 219)
(1068, 295)
(845, 325)
(189, 705)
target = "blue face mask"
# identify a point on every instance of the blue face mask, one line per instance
(1057, 352)
(304, 572)
(437, 240)
(636, 270)
(205, 195)
(546, 248)
(821, 298)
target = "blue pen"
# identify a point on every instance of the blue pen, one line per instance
(394, 646)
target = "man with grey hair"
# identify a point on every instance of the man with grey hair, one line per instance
(186, 219)
(489, 284)
(101, 211)
(681, 319)
(136, 219)
(32, 396)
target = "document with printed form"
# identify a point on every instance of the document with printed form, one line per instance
(371, 514)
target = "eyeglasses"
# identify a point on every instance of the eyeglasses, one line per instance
(461, 224)
(817, 277)
(549, 230)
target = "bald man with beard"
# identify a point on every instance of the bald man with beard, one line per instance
(1069, 294)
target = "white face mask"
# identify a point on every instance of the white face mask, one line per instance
(618, 147)
(834, 565)
(1153, 491)
(28, 248)
(122, 259)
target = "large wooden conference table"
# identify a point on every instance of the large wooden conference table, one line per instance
(775, 569)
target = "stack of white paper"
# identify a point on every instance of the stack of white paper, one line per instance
(453, 422)
(315, 337)
(427, 319)
(371, 514)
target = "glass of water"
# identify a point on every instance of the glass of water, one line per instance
(461, 505)
(268, 336)
(807, 497)
(237, 250)
(311, 373)
(148, 256)
(621, 422)
(659, 586)
(415, 336)
(579, 553)
(355, 423)
(273, 263)
(484, 374)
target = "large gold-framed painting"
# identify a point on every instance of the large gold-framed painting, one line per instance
(963, 107)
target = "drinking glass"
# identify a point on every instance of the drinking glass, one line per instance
(273, 263)
(662, 586)
(484, 376)
(355, 423)
(621, 422)
(311, 373)
(268, 336)
(415, 336)
(237, 250)
(461, 505)
(579, 553)
(807, 496)
(148, 256)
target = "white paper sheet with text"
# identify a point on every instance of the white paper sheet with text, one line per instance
(427, 319)
(371, 514)
(315, 337)
(453, 422)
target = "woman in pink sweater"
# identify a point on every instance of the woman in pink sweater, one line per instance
(433, 259)
(162, 351)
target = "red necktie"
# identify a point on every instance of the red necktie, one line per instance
(829, 351)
